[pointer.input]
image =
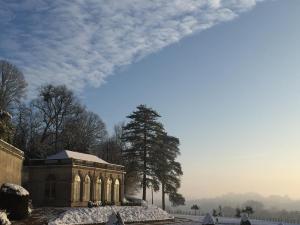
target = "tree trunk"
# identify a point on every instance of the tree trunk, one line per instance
(145, 167)
(152, 195)
(163, 204)
(144, 181)
(56, 140)
(56, 133)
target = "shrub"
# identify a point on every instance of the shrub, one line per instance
(15, 200)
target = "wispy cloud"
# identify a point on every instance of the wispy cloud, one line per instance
(81, 42)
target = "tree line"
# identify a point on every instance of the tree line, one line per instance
(56, 119)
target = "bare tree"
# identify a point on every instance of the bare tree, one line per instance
(22, 124)
(112, 147)
(27, 122)
(56, 120)
(55, 105)
(12, 85)
(84, 133)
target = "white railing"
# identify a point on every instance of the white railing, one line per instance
(274, 220)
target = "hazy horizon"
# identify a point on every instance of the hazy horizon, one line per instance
(242, 195)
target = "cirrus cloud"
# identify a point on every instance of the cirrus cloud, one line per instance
(81, 42)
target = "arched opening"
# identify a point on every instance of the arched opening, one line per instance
(50, 187)
(117, 191)
(98, 189)
(86, 188)
(108, 189)
(76, 188)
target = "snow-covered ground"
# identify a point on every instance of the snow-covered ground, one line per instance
(101, 214)
(227, 220)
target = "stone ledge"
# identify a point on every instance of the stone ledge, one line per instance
(134, 222)
(11, 149)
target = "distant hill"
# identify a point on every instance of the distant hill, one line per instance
(238, 200)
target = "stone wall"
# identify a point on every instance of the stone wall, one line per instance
(11, 160)
(38, 176)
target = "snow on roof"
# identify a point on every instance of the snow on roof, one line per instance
(67, 154)
(208, 220)
(14, 188)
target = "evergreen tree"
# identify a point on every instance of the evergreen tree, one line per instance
(238, 212)
(176, 199)
(195, 207)
(6, 127)
(167, 169)
(248, 209)
(141, 135)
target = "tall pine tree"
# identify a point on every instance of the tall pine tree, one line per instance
(141, 135)
(168, 170)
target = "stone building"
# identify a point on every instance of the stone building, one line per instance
(71, 178)
(11, 160)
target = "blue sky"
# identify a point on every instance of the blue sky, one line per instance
(231, 93)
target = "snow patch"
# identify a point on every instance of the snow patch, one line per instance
(3, 219)
(208, 220)
(101, 214)
(115, 219)
(14, 189)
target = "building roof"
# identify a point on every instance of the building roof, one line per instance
(67, 154)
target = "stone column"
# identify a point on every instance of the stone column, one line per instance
(122, 183)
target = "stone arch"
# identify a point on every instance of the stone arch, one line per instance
(98, 189)
(86, 196)
(108, 189)
(50, 187)
(117, 190)
(76, 188)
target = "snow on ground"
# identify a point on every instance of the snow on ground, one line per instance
(101, 214)
(14, 189)
(228, 220)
